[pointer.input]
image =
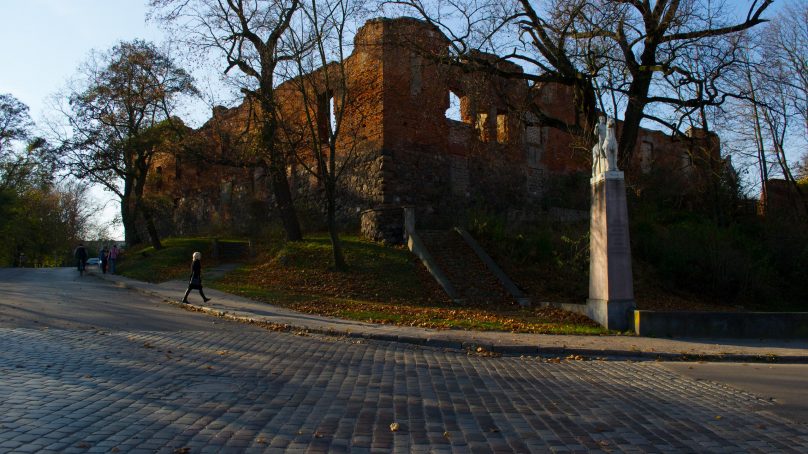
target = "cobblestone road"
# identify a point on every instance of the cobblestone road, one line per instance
(263, 391)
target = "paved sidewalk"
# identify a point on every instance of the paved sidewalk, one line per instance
(243, 309)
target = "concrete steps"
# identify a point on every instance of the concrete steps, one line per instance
(471, 278)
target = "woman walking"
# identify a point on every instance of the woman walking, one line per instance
(196, 278)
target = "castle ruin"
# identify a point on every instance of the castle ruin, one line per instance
(423, 134)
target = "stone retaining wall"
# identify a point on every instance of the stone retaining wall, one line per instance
(748, 325)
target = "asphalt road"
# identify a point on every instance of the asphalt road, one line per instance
(88, 367)
(60, 298)
(784, 384)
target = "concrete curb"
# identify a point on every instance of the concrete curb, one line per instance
(751, 325)
(509, 350)
(478, 348)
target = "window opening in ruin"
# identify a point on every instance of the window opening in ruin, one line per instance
(502, 128)
(325, 115)
(482, 126)
(332, 114)
(687, 162)
(453, 112)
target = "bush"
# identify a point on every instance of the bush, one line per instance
(548, 260)
(749, 263)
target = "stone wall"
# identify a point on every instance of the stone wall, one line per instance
(402, 143)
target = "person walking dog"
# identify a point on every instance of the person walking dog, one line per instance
(196, 278)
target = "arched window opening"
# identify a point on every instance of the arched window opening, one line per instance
(326, 119)
(502, 127)
(482, 127)
(453, 112)
(332, 116)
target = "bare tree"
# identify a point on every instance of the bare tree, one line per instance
(537, 36)
(632, 52)
(788, 42)
(119, 113)
(656, 42)
(250, 35)
(771, 93)
(320, 132)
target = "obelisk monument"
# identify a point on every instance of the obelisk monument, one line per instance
(611, 285)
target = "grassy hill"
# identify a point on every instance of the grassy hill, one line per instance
(384, 284)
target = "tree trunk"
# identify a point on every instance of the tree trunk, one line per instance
(761, 149)
(277, 170)
(762, 161)
(154, 237)
(638, 93)
(130, 233)
(142, 166)
(585, 101)
(336, 244)
(285, 204)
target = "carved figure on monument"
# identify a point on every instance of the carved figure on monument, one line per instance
(598, 151)
(610, 146)
(611, 285)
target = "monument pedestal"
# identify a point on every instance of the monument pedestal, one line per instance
(611, 285)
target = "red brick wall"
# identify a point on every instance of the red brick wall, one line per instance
(406, 151)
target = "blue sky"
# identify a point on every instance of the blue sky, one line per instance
(42, 42)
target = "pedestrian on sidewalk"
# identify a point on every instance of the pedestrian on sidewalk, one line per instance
(104, 259)
(196, 278)
(113, 256)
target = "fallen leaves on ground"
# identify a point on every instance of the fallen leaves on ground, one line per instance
(385, 286)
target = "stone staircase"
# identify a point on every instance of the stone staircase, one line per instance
(473, 282)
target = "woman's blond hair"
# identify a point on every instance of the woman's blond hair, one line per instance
(197, 256)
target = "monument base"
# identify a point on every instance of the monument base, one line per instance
(612, 314)
(611, 286)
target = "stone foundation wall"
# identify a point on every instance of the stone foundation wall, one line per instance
(384, 224)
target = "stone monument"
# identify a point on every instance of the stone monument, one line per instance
(598, 151)
(611, 286)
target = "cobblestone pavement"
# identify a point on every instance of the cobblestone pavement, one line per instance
(264, 391)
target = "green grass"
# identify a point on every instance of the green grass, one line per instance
(173, 261)
(384, 270)
(269, 295)
(383, 284)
